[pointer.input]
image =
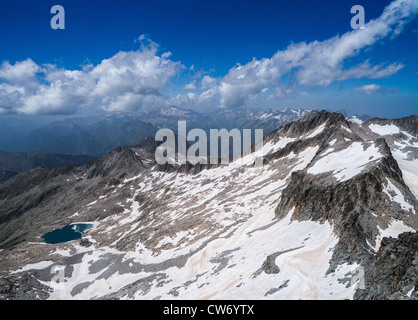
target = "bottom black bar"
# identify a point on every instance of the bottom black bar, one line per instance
(212, 309)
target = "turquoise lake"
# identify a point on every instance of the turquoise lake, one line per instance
(68, 233)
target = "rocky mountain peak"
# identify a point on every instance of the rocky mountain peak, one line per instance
(320, 120)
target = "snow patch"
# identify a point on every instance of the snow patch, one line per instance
(393, 230)
(356, 120)
(396, 195)
(333, 142)
(35, 266)
(348, 162)
(409, 171)
(316, 132)
(384, 130)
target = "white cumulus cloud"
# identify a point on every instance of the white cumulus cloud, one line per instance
(126, 81)
(315, 64)
(368, 88)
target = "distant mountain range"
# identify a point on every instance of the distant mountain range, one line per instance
(93, 136)
(96, 136)
(13, 163)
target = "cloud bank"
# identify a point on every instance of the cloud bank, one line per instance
(126, 81)
(136, 79)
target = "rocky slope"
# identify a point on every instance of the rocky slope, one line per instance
(13, 163)
(402, 138)
(313, 223)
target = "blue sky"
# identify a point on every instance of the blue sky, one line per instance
(128, 55)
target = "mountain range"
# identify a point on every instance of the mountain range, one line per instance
(95, 136)
(331, 215)
(13, 163)
(80, 140)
